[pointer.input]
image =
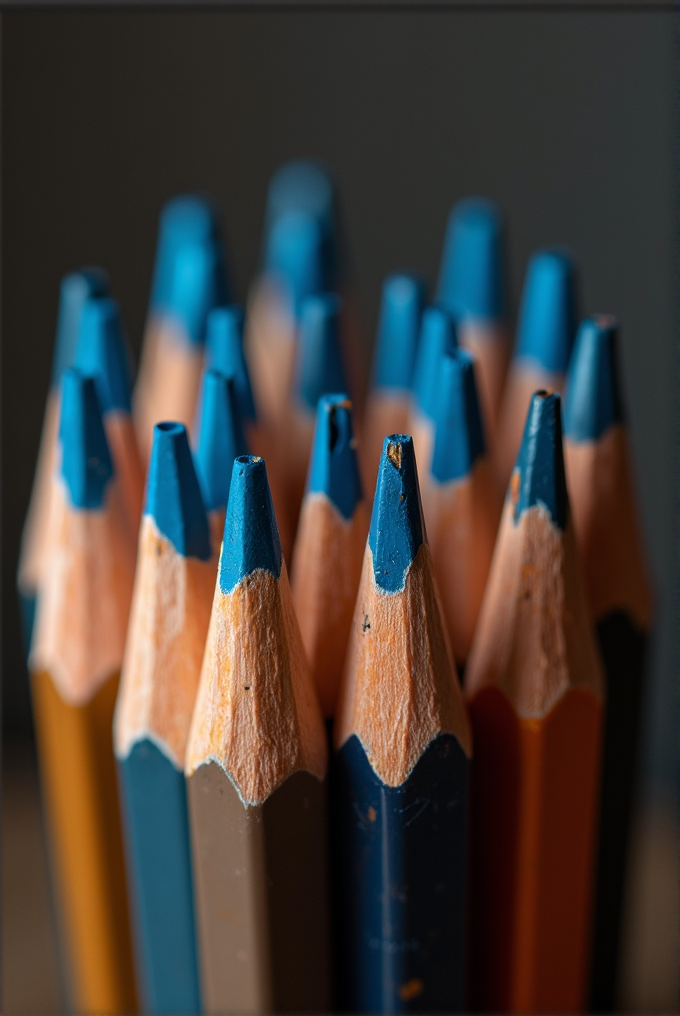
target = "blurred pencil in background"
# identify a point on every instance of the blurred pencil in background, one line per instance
(224, 352)
(534, 686)
(256, 768)
(472, 289)
(438, 335)
(598, 463)
(545, 334)
(189, 280)
(75, 660)
(74, 291)
(402, 743)
(169, 620)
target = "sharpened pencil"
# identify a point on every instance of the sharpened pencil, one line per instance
(74, 291)
(599, 470)
(534, 686)
(189, 280)
(545, 335)
(329, 547)
(75, 660)
(389, 401)
(256, 769)
(438, 334)
(471, 288)
(402, 741)
(169, 621)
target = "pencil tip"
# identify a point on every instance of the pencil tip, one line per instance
(173, 496)
(86, 464)
(220, 438)
(189, 276)
(403, 300)
(294, 255)
(592, 400)
(319, 358)
(334, 470)
(102, 353)
(547, 320)
(438, 334)
(459, 433)
(251, 536)
(74, 290)
(397, 528)
(471, 273)
(539, 477)
(224, 352)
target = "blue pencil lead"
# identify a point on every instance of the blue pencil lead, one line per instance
(224, 352)
(539, 473)
(397, 527)
(438, 334)
(86, 464)
(102, 353)
(173, 496)
(220, 438)
(251, 536)
(319, 359)
(471, 273)
(334, 470)
(592, 401)
(547, 319)
(74, 290)
(403, 300)
(295, 256)
(459, 433)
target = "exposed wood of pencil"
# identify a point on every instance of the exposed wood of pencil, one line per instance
(490, 346)
(34, 540)
(120, 434)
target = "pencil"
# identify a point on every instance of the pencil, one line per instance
(220, 441)
(545, 335)
(329, 547)
(169, 621)
(75, 660)
(256, 767)
(535, 688)
(600, 477)
(438, 333)
(460, 501)
(74, 290)
(189, 280)
(224, 352)
(403, 746)
(471, 288)
(389, 401)
(102, 353)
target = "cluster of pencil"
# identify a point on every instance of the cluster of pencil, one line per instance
(402, 780)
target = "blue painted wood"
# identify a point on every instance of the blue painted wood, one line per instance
(86, 464)
(224, 352)
(401, 310)
(74, 290)
(295, 256)
(102, 353)
(547, 318)
(319, 366)
(304, 187)
(540, 462)
(334, 470)
(220, 438)
(459, 433)
(159, 870)
(471, 272)
(251, 536)
(397, 529)
(173, 495)
(592, 401)
(438, 333)
(403, 861)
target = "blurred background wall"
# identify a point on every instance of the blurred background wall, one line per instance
(567, 119)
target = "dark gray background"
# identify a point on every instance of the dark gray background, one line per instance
(567, 119)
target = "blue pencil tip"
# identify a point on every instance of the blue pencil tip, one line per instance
(173, 496)
(592, 402)
(547, 319)
(403, 300)
(301, 186)
(539, 477)
(334, 470)
(459, 433)
(397, 528)
(189, 276)
(251, 536)
(220, 438)
(438, 335)
(102, 353)
(86, 464)
(74, 290)
(294, 256)
(304, 188)
(319, 368)
(224, 352)
(471, 273)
